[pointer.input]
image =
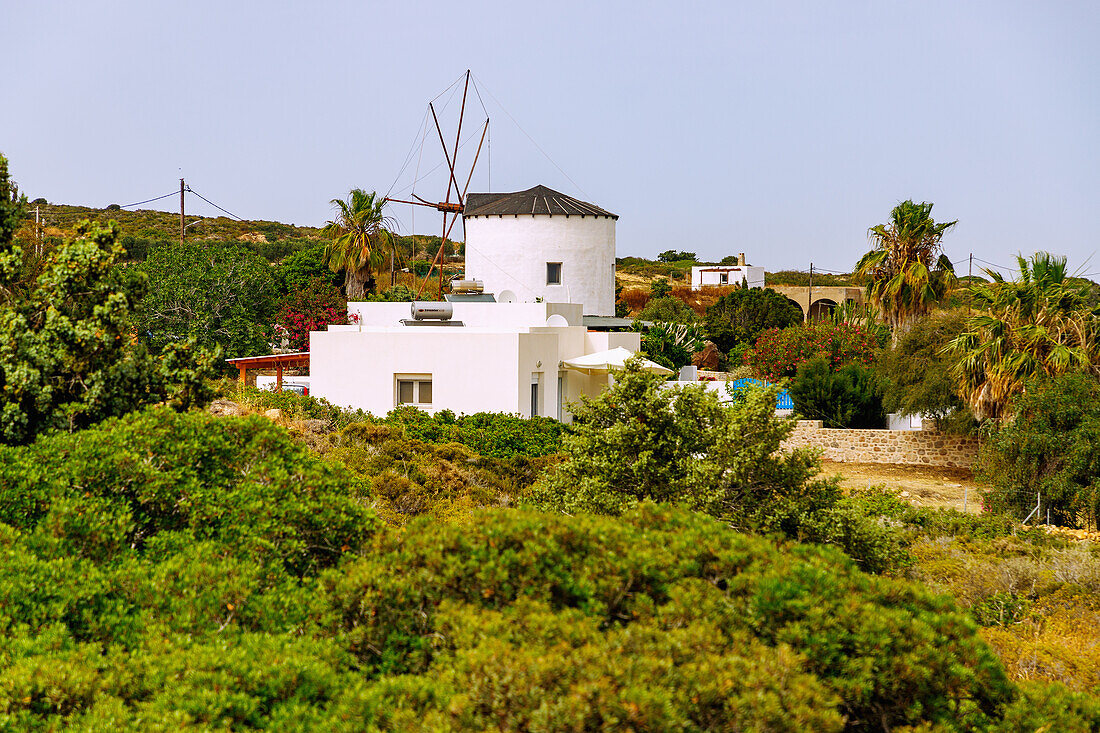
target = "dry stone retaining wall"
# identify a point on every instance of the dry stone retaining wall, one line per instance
(899, 447)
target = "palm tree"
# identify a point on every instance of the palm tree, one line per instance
(907, 271)
(357, 235)
(1040, 324)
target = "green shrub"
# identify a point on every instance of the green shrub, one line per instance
(659, 288)
(214, 292)
(298, 270)
(1051, 448)
(68, 356)
(650, 618)
(639, 442)
(916, 374)
(741, 316)
(845, 398)
(668, 309)
(233, 481)
(491, 434)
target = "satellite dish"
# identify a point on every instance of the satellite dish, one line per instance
(506, 296)
(557, 319)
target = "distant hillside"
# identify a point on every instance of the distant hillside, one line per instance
(60, 219)
(145, 229)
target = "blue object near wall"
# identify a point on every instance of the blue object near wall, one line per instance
(782, 402)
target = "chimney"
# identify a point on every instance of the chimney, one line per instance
(741, 259)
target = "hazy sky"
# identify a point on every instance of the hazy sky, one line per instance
(780, 129)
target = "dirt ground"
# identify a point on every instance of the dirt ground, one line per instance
(921, 485)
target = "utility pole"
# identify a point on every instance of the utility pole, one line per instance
(970, 284)
(37, 231)
(810, 294)
(181, 210)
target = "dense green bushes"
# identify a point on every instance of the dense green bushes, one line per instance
(845, 398)
(916, 374)
(741, 316)
(638, 442)
(219, 294)
(186, 571)
(1051, 448)
(650, 621)
(496, 435)
(109, 491)
(68, 356)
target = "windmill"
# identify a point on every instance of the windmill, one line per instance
(447, 207)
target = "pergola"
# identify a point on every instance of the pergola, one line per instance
(271, 361)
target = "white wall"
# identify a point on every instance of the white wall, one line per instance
(472, 369)
(470, 372)
(707, 275)
(494, 315)
(596, 341)
(510, 253)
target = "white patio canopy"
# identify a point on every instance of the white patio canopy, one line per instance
(605, 362)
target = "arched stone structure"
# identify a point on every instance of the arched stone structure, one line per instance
(836, 294)
(821, 309)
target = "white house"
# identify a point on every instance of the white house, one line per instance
(489, 357)
(742, 273)
(539, 244)
(547, 265)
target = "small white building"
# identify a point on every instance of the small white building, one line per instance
(489, 357)
(541, 245)
(703, 276)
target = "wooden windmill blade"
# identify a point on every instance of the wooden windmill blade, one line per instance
(447, 207)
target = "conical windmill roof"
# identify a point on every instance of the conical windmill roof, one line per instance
(539, 200)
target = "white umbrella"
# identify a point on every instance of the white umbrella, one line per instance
(605, 362)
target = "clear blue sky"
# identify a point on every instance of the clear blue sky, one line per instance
(781, 129)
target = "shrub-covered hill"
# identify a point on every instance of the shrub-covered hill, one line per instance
(143, 230)
(61, 220)
(181, 571)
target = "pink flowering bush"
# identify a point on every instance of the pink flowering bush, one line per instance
(310, 309)
(779, 352)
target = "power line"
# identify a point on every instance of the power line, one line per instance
(994, 264)
(437, 166)
(230, 213)
(421, 131)
(545, 154)
(149, 201)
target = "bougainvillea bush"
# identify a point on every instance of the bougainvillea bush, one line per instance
(310, 309)
(779, 352)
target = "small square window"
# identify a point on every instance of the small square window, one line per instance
(413, 390)
(553, 273)
(725, 278)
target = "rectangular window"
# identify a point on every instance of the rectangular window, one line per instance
(414, 389)
(725, 278)
(553, 273)
(536, 384)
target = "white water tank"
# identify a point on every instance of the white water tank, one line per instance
(541, 244)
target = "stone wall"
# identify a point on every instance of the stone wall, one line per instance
(900, 447)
